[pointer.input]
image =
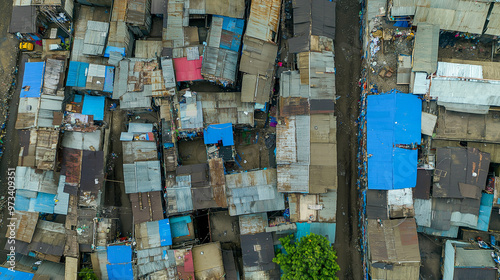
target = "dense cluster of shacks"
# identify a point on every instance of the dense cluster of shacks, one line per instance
(432, 152)
(98, 58)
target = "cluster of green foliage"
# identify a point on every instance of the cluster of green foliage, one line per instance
(87, 274)
(312, 257)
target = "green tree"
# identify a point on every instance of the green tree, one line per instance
(312, 257)
(87, 274)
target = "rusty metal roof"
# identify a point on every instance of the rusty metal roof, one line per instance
(219, 64)
(71, 165)
(46, 148)
(25, 225)
(226, 107)
(253, 223)
(49, 238)
(146, 207)
(395, 241)
(218, 181)
(264, 18)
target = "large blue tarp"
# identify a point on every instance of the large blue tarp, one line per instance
(392, 119)
(483, 221)
(45, 202)
(232, 30)
(77, 74)
(327, 230)
(217, 132)
(119, 254)
(94, 105)
(179, 226)
(32, 79)
(108, 79)
(120, 271)
(165, 234)
(5, 273)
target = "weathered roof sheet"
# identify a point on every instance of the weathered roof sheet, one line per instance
(25, 224)
(263, 21)
(153, 234)
(313, 208)
(53, 76)
(311, 18)
(95, 37)
(148, 49)
(139, 151)
(258, 252)
(394, 242)
(49, 238)
(470, 92)
(318, 71)
(191, 112)
(62, 198)
(425, 50)
(459, 165)
(142, 176)
(146, 206)
(207, 259)
(253, 192)
(92, 171)
(454, 15)
(376, 204)
(179, 197)
(228, 8)
(154, 259)
(226, 107)
(403, 8)
(306, 153)
(82, 140)
(385, 131)
(253, 223)
(23, 19)
(27, 113)
(258, 57)
(219, 64)
(493, 27)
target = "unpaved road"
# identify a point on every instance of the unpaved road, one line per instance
(348, 66)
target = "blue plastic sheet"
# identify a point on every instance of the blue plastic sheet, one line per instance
(165, 233)
(219, 132)
(94, 105)
(32, 79)
(77, 74)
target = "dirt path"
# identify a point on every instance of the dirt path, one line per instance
(348, 67)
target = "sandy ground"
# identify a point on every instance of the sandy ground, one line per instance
(348, 65)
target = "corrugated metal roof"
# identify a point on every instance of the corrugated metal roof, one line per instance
(218, 181)
(167, 65)
(138, 13)
(49, 104)
(459, 165)
(253, 223)
(375, 8)
(395, 242)
(423, 212)
(228, 8)
(27, 113)
(28, 179)
(95, 37)
(493, 27)
(50, 246)
(253, 192)
(153, 234)
(191, 113)
(148, 49)
(258, 57)
(256, 88)
(263, 21)
(173, 35)
(313, 208)
(139, 151)
(146, 206)
(455, 15)
(290, 85)
(465, 92)
(23, 19)
(53, 77)
(154, 259)
(25, 225)
(142, 176)
(403, 8)
(425, 50)
(258, 252)
(46, 148)
(82, 140)
(321, 73)
(447, 69)
(219, 64)
(62, 198)
(179, 198)
(119, 38)
(226, 107)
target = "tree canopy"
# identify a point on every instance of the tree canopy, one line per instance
(311, 257)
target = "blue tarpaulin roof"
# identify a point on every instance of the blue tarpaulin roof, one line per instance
(392, 119)
(5, 273)
(110, 49)
(108, 79)
(483, 221)
(32, 79)
(179, 226)
(78, 98)
(94, 105)
(120, 271)
(77, 74)
(165, 234)
(43, 202)
(216, 132)
(232, 28)
(119, 254)
(325, 229)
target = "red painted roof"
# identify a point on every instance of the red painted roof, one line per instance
(186, 271)
(187, 70)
